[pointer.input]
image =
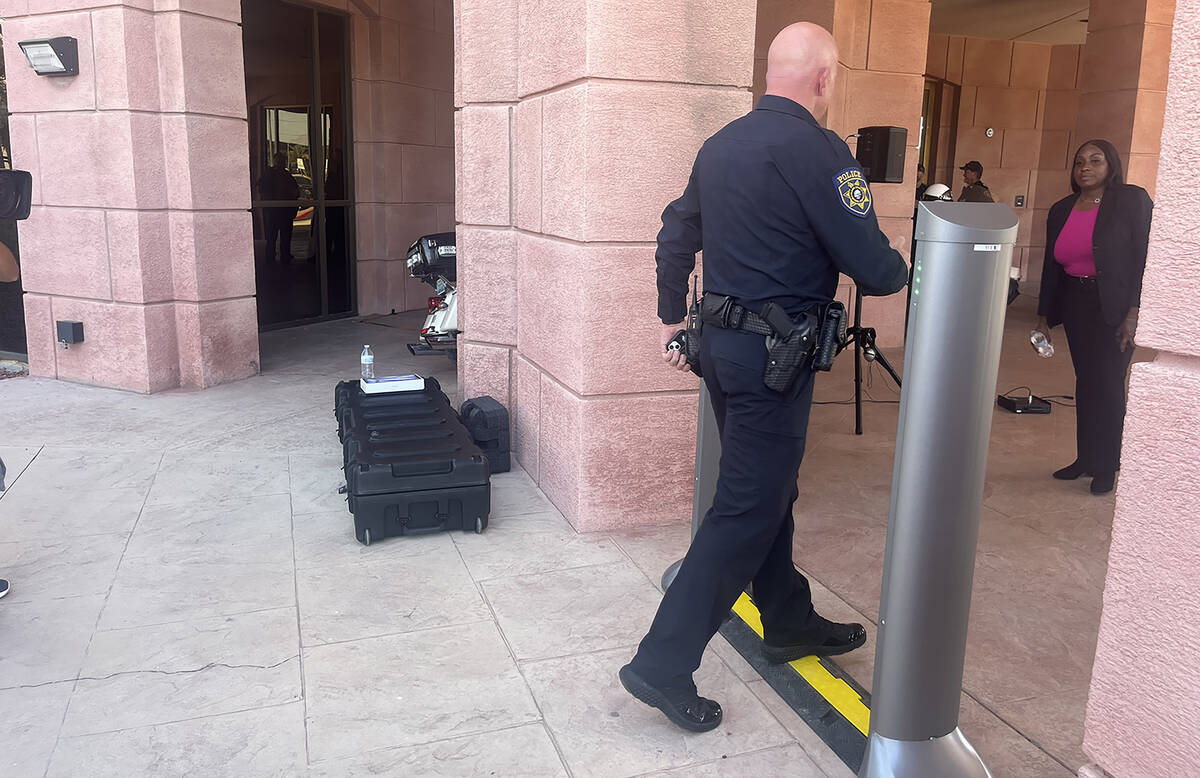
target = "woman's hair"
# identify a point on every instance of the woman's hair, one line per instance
(1115, 172)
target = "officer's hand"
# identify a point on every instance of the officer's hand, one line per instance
(899, 243)
(676, 359)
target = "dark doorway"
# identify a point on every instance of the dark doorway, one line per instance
(12, 306)
(297, 88)
(939, 131)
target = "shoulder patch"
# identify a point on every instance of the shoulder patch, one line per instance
(853, 191)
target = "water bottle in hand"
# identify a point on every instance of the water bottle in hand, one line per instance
(1041, 344)
(368, 363)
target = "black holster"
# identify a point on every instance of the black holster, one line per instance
(833, 332)
(789, 348)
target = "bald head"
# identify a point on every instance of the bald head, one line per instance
(801, 66)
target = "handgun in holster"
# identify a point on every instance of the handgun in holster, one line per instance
(790, 348)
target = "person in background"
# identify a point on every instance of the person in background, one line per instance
(277, 183)
(974, 190)
(1096, 240)
(922, 185)
(9, 271)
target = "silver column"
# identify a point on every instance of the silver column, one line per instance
(708, 461)
(956, 320)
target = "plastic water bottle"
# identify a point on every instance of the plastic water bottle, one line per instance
(1041, 343)
(368, 363)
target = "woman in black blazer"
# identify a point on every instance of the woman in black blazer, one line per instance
(1092, 284)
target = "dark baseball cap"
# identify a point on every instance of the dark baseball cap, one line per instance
(973, 166)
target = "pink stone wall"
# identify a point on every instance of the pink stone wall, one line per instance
(139, 227)
(402, 66)
(1123, 81)
(1028, 94)
(570, 143)
(1145, 686)
(882, 48)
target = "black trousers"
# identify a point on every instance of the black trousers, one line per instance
(1100, 370)
(747, 534)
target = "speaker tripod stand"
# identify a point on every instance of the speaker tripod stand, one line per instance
(863, 339)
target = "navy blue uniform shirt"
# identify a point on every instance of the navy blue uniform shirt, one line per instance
(779, 206)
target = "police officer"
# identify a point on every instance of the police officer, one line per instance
(974, 190)
(780, 207)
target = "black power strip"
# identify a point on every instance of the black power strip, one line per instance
(1028, 404)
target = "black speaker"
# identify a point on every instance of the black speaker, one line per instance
(16, 193)
(881, 153)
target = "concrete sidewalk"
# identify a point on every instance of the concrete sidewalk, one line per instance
(188, 598)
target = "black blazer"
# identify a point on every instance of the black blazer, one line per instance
(1119, 244)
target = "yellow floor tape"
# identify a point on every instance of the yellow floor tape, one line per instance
(836, 692)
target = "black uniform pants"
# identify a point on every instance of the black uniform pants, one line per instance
(1100, 370)
(747, 534)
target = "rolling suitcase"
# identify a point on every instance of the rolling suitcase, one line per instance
(412, 468)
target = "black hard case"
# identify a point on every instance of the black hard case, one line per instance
(488, 422)
(411, 466)
(353, 407)
(430, 263)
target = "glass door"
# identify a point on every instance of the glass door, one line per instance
(296, 93)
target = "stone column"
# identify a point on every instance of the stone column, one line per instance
(1123, 81)
(883, 48)
(140, 226)
(574, 135)
(1145, 685)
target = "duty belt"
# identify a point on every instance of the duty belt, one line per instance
(724, 312)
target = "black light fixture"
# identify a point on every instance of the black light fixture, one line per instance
(52, 56)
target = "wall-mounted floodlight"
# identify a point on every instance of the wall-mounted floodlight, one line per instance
(52, 56)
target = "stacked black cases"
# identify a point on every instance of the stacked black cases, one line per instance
(487, 421)
(352, 406)
(411, 466)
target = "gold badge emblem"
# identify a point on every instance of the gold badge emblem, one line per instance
(854, 192)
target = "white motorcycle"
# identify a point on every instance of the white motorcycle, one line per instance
(434, 259)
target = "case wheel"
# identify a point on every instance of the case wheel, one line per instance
(366, 537)
(478, 525)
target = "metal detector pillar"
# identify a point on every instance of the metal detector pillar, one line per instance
(708, 461)
(956, 320)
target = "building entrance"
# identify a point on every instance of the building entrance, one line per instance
(297, 87)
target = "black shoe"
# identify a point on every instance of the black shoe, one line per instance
(3, 587)
(684, 708)
(1072, 471)
(1103, 483)
(828, 639)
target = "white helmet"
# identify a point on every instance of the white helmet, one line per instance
(937, 192)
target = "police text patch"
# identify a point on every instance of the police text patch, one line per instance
(853, 191)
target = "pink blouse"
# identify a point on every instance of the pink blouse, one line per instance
(1073, 250)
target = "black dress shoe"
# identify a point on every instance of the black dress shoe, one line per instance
(1103, 483)
(1072, 471)
(829, 639)
(684, 708)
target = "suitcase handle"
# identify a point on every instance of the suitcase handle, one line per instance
(441, 527)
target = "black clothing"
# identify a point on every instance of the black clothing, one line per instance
(278, 184)
(1092, 309)
(1100, 368)
(1119, 244)
(785, 208)
(977, 192)
(778, 223)
(747, 534)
